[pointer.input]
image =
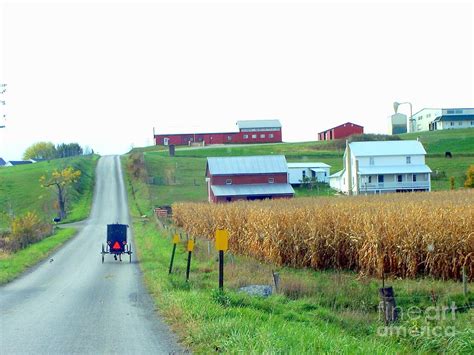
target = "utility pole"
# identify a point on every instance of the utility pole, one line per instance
(3, 116)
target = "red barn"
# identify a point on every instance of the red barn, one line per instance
(344, 130)
(255, 131)
(247, 178)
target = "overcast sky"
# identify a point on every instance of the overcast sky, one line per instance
(105, 74)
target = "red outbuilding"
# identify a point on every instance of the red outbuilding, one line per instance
(344, 130)
(247, 178)
(253, 131)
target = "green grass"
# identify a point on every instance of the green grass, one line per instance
(20, 190)
(456, 141)
(316, 311)
(181, 178)
(13, 265)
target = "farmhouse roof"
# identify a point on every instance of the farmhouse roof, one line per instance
(395, 169)
(260, 164)
(259, 124)
(308, 165)
(381, 148)
(252, 190)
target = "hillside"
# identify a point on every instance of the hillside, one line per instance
(181, 178)
(20, 189)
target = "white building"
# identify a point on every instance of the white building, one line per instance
(382, 166)
(299, 171)
(433, 119)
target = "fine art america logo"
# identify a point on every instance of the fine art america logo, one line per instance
(418, 322)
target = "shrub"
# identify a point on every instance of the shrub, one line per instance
(469, 177)
(25, 230)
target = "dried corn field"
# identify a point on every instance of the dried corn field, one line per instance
(406, 235)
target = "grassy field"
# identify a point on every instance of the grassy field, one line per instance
(12, 265)
(20, 189)
(181, 178)
(325, 311)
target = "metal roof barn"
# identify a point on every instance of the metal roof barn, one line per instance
(258, 124)
(262, 164)
(251, 189)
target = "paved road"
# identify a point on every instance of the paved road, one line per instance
(76, 304)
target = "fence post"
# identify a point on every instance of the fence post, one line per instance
(190, 251)
(388, 304)
(276, 281)
(464, 281)
(175, 241)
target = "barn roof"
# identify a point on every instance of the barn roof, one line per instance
(2, 162)
(308, 165)
(19, 162)
(454, 118)
(252, 190)
(259, 124)
(259, 164)
(382, 148)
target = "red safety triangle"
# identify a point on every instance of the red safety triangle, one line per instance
(116, 245)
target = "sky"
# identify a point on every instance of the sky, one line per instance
(105, 73)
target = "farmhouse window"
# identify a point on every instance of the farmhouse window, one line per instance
(371, 160)
(399, 178)
(271, 180)
(228, 182)
(380, 178)
(414, 177)
(370, 179)
(408, 160)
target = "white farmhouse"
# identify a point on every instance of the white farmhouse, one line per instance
(382, 166)
(299, 171)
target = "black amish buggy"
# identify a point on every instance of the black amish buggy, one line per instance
(117, 242)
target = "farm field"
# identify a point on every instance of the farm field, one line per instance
(181, 178)
(314, 311)
(403, 235)
(20, 189)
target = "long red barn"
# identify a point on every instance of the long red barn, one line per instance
(342, 131)
(254, 131)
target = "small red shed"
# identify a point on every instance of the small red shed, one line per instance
(247, 178)
(342, 131)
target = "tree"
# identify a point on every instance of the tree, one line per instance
(469, 177)
(65, 150)
(61, 180)
(40, 150)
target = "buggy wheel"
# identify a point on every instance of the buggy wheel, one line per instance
(130, 253)
(103, 252)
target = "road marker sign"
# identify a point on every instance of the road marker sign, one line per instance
(190, 245)
(176, 239)
(222, 239)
